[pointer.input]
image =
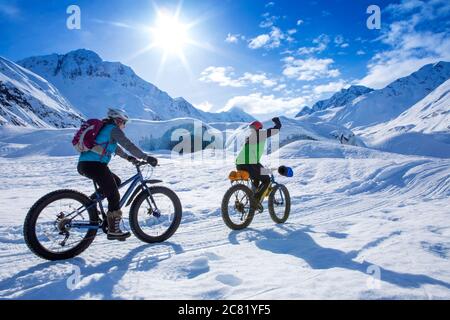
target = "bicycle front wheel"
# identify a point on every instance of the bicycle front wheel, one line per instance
(279, 204)
(150, 224)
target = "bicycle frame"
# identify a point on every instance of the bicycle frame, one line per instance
(133, 182)
(273, 183)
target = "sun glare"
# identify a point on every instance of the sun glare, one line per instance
(170, 34)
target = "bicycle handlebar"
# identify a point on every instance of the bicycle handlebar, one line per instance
(143, 163)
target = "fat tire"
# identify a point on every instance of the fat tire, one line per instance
(225, 201)
(287, 199)
(133, 216)
(29, 227)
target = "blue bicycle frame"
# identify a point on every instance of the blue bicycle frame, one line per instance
(127, 198)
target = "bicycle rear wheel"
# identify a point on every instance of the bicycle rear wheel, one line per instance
(152, 226)
(237, 208)
(47, 230)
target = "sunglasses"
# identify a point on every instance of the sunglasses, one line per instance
(121, 121)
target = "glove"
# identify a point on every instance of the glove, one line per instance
(133, 160)
(152, 161)
(276, 120)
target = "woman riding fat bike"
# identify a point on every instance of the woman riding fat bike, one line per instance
(252, 183)
(249, 158)
(93, 164)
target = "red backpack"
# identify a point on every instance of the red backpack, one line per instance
(84, 139)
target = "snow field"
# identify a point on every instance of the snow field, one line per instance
(355, 214)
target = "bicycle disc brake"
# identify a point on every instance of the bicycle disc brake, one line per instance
(154, 212)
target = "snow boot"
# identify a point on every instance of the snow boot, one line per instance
(114, 232)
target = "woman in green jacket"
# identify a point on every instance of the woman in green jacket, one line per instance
(250, 155)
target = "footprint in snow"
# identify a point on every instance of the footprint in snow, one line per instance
(337, 235)
(440, 250)
(212, 256)
(229, 280)
(196, 268)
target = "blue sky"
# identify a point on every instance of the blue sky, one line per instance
(268, 57)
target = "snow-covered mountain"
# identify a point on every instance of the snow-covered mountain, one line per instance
(423, 129)
(410, 116)
(28, 100)
(339, 99)
(388, 103)
(429, 115)
(92, 85)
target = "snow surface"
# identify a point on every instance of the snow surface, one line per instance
(354, 211)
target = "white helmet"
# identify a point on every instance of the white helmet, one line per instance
(118, 114)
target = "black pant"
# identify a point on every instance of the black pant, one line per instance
(255, 174)
(107, 181)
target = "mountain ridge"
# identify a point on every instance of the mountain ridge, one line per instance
(28, 100)
(93, 85)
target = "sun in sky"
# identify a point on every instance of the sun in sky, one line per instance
(170, 34)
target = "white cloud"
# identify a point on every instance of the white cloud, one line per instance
(280, 87)
(268, 21)
(276, 36)
(232, 38)
(221, 76)
(224, 76)
(259, 78)
(266, 24)
(411, 44)
(259, 42)
(309, 69)
(292, 31)
(270, 4)
(300, 22)
(204, 106)
(330, 87)
(259, 104)
(423, 10)
(321, 43)
(268, 41)
(360, 52)
(114, 23)
(339, 39)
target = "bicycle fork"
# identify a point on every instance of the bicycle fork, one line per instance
(153, 210)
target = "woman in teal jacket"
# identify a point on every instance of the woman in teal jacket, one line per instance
(94, 165)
